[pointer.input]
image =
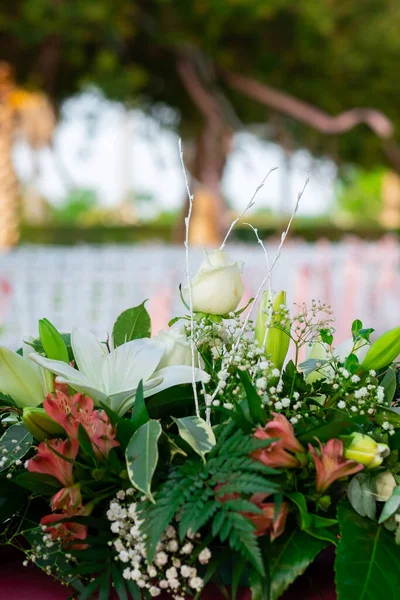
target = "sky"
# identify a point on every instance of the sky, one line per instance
(104, 147)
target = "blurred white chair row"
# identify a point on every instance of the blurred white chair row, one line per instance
(90, 285)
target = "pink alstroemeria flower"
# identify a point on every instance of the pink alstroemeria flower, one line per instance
(68, 532)
(265, 522)
(278, 454)
(68, 498)
(70, 412)
(48, 462)
(331, 465)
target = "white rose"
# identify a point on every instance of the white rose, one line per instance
(385, 484)
(177, 349)
(217, 287)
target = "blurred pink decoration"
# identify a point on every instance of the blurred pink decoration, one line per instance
(160, 309)
(5, 296)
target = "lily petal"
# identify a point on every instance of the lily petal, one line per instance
(125, 366)
(174, 375)
(97, 396)
(19, 379)
(121, 402)
(59, 368)
(89, 354)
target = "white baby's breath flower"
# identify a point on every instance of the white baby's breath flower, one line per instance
(204, 556)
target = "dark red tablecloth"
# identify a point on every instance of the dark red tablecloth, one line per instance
(29, 583)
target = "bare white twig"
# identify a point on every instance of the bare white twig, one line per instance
(284, 234)
(249, 205)
(267, 277)
(187, 272)
(268, 283)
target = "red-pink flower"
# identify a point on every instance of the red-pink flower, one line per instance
(68, 532)
(331, 465)
(79, 410)
(279, 453)
(49, 460)
(68, 498)
(265, 522)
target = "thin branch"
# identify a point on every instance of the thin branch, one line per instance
(309, 114)
(249, 205)
(189, 283)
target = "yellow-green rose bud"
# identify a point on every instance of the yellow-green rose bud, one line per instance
(385, 484)
(272, 327)
(365, 450)
(383, 351)
(40, 425)
(53, 344)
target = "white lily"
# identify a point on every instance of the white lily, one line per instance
(26, 383)
(112, 378)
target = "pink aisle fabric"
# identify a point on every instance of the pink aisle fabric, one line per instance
(29, 583)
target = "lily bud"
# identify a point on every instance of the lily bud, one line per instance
(385, 484)
(272, 327)
(383, 351)
(40, 425)
(53, 344)
(365, 450)
(19, 379)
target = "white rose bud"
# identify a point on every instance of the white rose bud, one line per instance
(385, 484)
(177, 349)
(217, 287)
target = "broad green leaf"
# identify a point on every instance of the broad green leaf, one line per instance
(14, 444)
(351, 363)
(362, 495)
(132, 324)
(256, 409)
(12, 498)
(289, 556)
(140, 415)
(53, 344)
(367, 559)
(85, 443)
(389, 383)
(355, 329)
(383, 351)
(314, 525)
(336, 423)
(312, 364)
(197, 434)
(391, 505)
(326, 336)
(142, 456)
(39, 483)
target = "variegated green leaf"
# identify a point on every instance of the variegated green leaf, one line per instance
(142, 456)
(197, 434)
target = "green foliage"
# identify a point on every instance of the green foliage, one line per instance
(360, 194)
(140, 415)
(254, 403)
(289, 556)
(391, 505)
(367, 559)
(319, 527)
(77, 204)
(362, 495)
(52, 342)
(197, 433)
(37, 345)
(14, 444)
(200, 489)
(383, 351)
(142, 456)
(64, 49)
(132, 324)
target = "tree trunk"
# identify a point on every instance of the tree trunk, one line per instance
(209, 217)
(9, 193)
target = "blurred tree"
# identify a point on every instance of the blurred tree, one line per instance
(220, 63)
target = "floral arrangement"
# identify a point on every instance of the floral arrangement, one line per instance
(225, 450)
